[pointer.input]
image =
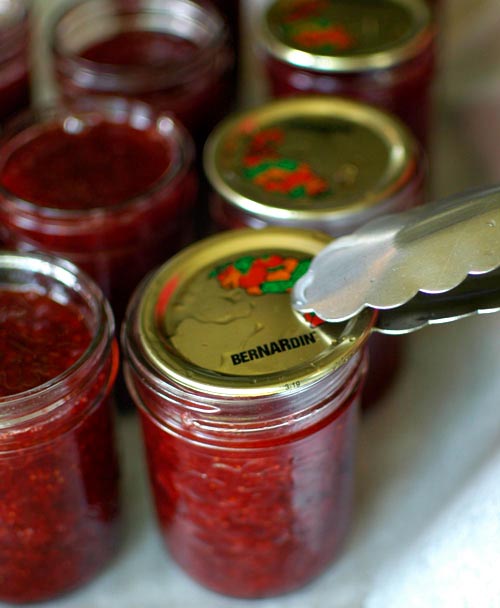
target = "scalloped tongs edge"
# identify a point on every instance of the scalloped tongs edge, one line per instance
(434, 264)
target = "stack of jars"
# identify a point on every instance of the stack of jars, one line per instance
(248, 409)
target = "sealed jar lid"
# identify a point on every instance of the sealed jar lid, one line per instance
(310, 159)
(217, 318)
(346, 35)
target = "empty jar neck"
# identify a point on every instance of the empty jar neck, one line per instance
(91, 22)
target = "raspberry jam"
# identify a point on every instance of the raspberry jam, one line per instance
(14, 59)
(40, 339)
(110, 188)
(321, 163)
(248, 411)
(92, 176)
(172, 54)
(378, 51)
(59, 513)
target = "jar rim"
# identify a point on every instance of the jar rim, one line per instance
(421, 39)
(180, 145)
(25, 406)
(136, 75)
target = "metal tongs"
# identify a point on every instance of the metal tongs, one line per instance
(433, 264)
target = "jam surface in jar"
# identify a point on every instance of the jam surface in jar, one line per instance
(181, 63)
(141, 49)
(381, 52)
(59, 513)
(39, 338)
(111, 188)
(101, 166)
(248, 411)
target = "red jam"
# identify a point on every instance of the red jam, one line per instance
(250, 426)
(14, 58)
(102, 166)
(91, 187)
(183, 66)
(259, 519)
(40, 339)
(402, 86)
(142, 49)
(59, 513)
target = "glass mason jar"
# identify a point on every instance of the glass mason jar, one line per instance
(59, 513)
(248, 409)
(172, 54)
(14, 58)
(321, 163)
(109, 186)
(378, 51)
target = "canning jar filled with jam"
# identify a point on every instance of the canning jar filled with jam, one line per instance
(14, 58)
(248, 409)
(172, 54)
(324, 163)
(109, 186)
(59, 513)
(378, 51)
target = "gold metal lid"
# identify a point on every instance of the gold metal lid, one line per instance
(217, 318)
(310, 158)
(346, 35)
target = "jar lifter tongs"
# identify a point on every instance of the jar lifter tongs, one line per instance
(433, 264)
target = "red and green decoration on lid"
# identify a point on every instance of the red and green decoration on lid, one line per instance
(275, 173)
(308, 25)
(272, 274)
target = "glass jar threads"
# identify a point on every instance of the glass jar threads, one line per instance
(378, 51)
(109, 186)
(59, 512)
(14, 58)
(172, 54)
(248, 411)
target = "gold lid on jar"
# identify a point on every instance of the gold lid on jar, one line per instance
(346, 35)
(217, 318)
(310, 158)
